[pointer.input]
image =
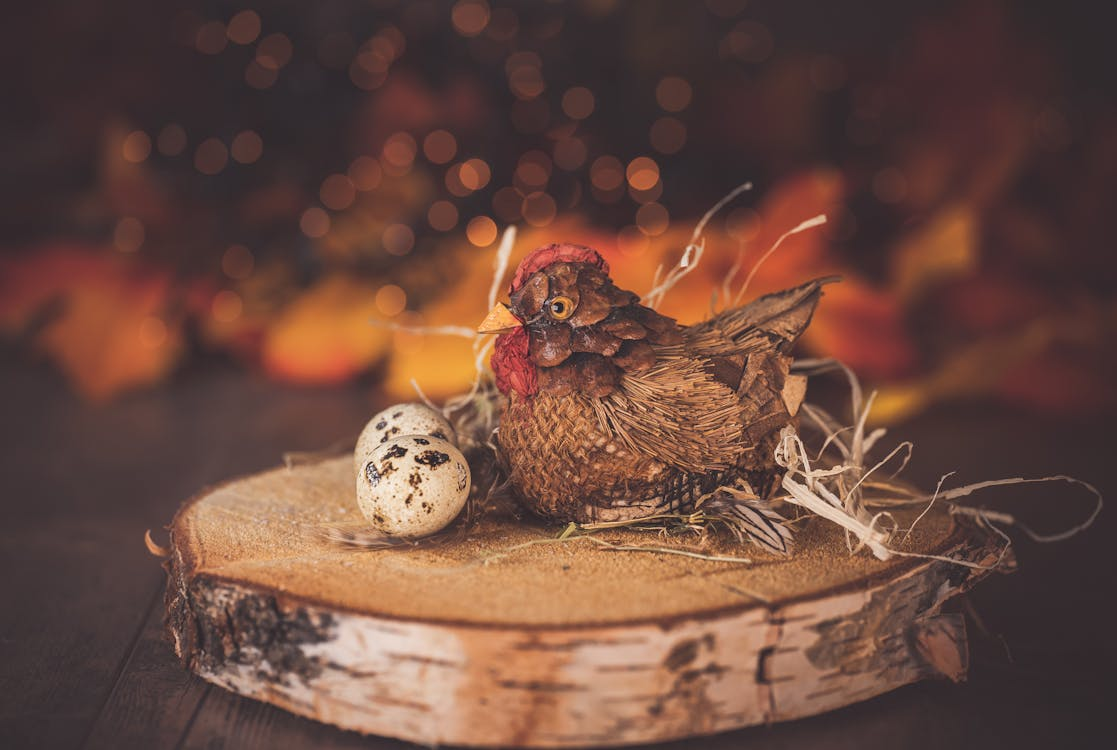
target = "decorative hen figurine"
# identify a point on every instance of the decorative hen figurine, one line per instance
(615, 412)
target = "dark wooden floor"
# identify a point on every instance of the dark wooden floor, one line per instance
(83, 662)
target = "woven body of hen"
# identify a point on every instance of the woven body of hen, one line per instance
(706, 416)
(572, 469)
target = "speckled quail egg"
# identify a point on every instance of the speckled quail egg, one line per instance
(412, 486)
(404, 419)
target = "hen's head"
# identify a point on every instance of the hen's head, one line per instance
(569, 328)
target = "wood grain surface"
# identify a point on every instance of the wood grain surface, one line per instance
(503, 637)
(83, 662)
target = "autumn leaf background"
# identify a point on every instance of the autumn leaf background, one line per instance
(293, 186)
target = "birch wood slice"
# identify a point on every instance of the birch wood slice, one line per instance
(547, 645)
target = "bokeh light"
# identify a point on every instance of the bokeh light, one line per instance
(366, 173)
(314, 222)
(527, 83)
(390, 300)
(399, 154)
(440, 146)
(673, 93)
(748, 42)
(474, 174)
(654, 193)
(274, 51)
(442, 216)
(260, 77)
(210, 38)
(337, 192)
(470, 17)
(539, 209)
(533, 170)
(607, 173)
(247, 147)
(211, 156)
(642, 173)
(137, 146)
(453, 182)
(481, 231)
(244, 27)
(238, 262)
(398, 239)
(652, 219)
(570, 153)
(578, 103)
(365, 78)
(227, 306)
(129, 234)
(525, 75)
(389, 41)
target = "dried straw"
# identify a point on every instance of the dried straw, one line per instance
(833, 485)
(825, 490)
(692, 253)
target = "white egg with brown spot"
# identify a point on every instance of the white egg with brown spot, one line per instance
(404, 419)
(412, 486)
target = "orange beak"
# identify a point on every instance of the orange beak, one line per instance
(499, 320)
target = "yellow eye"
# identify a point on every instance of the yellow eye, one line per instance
(560, 308)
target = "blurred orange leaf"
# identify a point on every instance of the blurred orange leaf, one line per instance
(105, 322)
(864, 328)
(944, 247)
(973, 370)
(442, 366)
(325, 336)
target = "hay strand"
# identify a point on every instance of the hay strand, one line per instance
(814, 221)
(692, 253)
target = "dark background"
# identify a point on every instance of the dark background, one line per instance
(198, 222)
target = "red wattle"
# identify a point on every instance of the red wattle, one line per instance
(511, 366)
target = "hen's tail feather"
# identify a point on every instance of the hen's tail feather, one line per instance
(780, 317)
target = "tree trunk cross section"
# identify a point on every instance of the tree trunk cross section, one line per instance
(550, 645)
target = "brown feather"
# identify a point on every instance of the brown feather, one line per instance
(551, 347)
(596, 340)
(679, 414)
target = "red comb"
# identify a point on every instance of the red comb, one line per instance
(544, 256)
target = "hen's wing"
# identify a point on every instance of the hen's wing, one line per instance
(679, 413)
(709, 402)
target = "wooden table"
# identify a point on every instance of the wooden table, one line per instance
(83, 662)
